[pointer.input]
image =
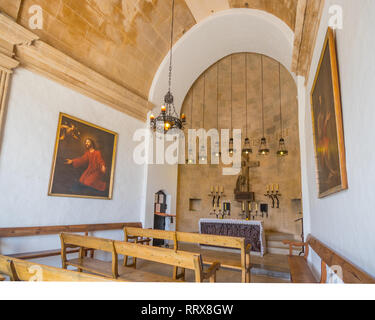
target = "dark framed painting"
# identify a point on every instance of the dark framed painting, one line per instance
(327, 122)
(84, 160)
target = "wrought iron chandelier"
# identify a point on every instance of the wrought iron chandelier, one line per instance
(168, 119)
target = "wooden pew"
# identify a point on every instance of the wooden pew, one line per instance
(54, 230)
(301, 272)
(21, 270)
(112, 269)
(145, 236)
(88, 263)
(185, 260)
(242, 264)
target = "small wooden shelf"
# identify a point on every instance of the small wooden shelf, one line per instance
(165, 215)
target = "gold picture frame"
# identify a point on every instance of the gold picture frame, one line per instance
(327, 121)
(83, 161)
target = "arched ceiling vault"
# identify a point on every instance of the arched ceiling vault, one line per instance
(126, 41)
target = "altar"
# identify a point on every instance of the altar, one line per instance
(252, 231)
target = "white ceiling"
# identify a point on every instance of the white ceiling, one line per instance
(222, 34)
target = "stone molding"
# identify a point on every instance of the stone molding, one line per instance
(39, 57)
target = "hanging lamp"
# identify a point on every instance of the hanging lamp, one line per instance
(282, 151)
(168, 120)
(190, 159)
(247, 148)
(231, 140)
(202, 150)
(216, 153)
(263, 149)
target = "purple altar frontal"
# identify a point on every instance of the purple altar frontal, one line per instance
(252, 231)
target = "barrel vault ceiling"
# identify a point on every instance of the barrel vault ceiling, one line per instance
(126, 40)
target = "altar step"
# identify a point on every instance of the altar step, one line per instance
(275, 243)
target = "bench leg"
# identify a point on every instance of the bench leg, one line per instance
(244, 276)
(175, 272)
(213, 278)
(177, 276)
(248, 276)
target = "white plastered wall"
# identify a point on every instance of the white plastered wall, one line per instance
(26, 159)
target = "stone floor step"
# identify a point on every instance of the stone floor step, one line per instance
(279, 236)
(282, 251)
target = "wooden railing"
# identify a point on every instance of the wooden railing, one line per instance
(51, 230)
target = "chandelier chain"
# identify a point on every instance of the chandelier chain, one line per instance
(171, 50)
(231, 92)
(281, 111)
(262, 96)
(246, 93)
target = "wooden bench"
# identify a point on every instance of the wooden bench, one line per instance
(21, 270)
(145, 236)
(56, 230)
(242, 264)
(112, 269)
(301, 272)
(177, 259)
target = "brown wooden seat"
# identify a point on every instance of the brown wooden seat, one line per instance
(112, 269)
(235, 263)
(145, 236)
(177, 259)
(301, 273)
(243, 263)
(124, 273)
(21, 270)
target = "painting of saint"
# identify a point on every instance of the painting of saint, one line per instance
(84, 159)
(327, 123)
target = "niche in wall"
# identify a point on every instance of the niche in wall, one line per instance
(195, 205)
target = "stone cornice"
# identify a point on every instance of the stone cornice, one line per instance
(50, 62)
(7, 64)
(14, 33)
(42, 58)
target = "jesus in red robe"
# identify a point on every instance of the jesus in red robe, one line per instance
(93, 160)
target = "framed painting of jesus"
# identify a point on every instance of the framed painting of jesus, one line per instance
(328, 123)
(83, 161)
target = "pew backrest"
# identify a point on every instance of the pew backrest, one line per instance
(21, 270)
(211, 240)
(351, 274)
(160, 255)
(84, 242)
(149, 233)
(75, 240)
(177, 259)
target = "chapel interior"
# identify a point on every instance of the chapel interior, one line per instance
(212, 141)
